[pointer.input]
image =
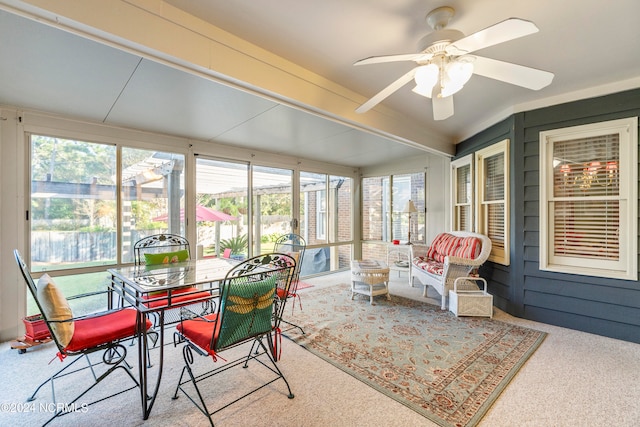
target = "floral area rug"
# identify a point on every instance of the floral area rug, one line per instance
(304, 285)
(446, 368)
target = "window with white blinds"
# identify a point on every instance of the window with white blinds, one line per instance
(588, 203)
(462, 194)
(492, 194)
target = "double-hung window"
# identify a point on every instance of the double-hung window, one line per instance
(588, 200)
(462, 193)
(492, 206)
(479, 192)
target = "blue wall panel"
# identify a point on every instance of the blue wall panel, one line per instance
(597, 305)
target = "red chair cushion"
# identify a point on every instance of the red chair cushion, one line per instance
(443, 245)
(429, 265)
(200, 332)
(282, 294)
(469, 248)
(446, 244)
(94, 331)
(160, 299)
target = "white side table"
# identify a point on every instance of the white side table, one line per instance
(369, 277)
(399, 258)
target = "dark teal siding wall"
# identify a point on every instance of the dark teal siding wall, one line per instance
(608, 307)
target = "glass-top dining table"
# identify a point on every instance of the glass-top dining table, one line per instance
(157, 288)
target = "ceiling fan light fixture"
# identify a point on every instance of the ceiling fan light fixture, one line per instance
(426, 78)
(460, 70)
(457, 74)
(420, 90)
(449, 88)
(444, 63)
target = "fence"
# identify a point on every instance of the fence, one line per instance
(79, 247)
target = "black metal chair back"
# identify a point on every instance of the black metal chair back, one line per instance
(295, 245)
(247, 296)
(158, 243)
(291, 243)
(26, 274)
(283, 266)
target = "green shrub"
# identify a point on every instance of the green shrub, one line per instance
(266, 238)
(238, 244)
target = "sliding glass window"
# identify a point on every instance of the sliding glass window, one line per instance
(388, 215)
(222, 208)
(73, 204)
(153, 200)
(74, 215)
(74, 212)
(325, 221)
(272, 192)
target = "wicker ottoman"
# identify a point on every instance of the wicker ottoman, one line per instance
(369, 277)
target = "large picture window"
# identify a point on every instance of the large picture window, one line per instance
(74, 211)
(384, 206)
(588, 208)
(73, 203)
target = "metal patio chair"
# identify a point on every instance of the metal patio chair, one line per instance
(78, 337)
(295, 246)
(245, 316)
(167, 249)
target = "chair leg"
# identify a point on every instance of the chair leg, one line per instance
(188, 360)
(114, 356)
(251, 355)
(280, 312)
(269, 353)
(57, 375)
(293, 326)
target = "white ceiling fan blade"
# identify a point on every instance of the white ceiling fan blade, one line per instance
(442, 107)
(501, 32)
(386, 92)
(514, 74)
(417, 57)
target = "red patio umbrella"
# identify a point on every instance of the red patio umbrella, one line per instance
(203, 213)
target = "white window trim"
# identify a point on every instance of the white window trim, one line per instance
(455, 164)
(497, 255)
(321, 215)
(626, 267)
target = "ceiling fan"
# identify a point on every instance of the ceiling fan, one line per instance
(444, 63)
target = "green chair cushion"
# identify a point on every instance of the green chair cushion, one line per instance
(166, 257)
(247, 310)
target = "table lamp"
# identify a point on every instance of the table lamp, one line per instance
(409, 209)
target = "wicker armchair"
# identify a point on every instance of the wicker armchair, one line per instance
(450, 255)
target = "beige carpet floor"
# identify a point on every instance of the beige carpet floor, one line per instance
(573, 379)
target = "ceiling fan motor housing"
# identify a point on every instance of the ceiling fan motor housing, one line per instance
(439, 18)
(437, 41)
